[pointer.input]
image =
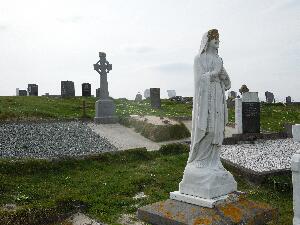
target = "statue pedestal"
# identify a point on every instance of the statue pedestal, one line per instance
(207, 183)
(180, 213)
(105, 111)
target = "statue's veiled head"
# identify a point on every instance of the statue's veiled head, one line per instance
(210, 40)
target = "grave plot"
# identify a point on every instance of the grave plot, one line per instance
(50, 140)
(261, 158)
(157, 128)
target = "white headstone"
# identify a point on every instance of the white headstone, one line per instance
(238, 116)
(17, 91)
(296, 132)
(147, 93)
(250, 97)
(296, 187)
(171, 93)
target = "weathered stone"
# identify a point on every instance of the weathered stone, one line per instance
(67, 89)
(296, 186)
(105, 107)
(155, 97)
(172, 212)
(238, 116)
(86, 89)
(296, 132)
(33, 90)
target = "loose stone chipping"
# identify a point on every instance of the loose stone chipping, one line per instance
(50, 140)
(263, 155)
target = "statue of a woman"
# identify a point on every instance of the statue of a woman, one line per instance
(204, 175)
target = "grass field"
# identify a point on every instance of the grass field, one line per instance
(107, 183)
(273, 116)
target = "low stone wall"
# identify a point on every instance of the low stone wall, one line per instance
(157, 133)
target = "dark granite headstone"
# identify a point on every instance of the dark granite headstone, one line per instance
(86, 90)
(288, 99)
(269, 97)
(251, 117)
(155, 97)
(22, 93)
(33, 90)
(67, 89)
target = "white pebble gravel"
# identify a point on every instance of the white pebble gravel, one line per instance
(263, 155)
(50, 140)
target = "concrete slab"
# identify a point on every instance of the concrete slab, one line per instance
(172, 212)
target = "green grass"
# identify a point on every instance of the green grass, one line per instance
(106, 183)
(273, 116)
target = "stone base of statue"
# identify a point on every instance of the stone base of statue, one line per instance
(207, 183)
(105, 111)
(181, 213)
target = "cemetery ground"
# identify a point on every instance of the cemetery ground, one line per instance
(109, 185)
(273, 116)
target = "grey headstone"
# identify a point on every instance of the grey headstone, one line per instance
(86, 90)
(22, 93)
(33, 90)
(147, 93)
(138, 97)
(171, 93)
(67, 89)
(155, 97)
(288, 99)
(269, 97)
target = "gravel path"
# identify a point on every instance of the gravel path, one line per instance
(263, 156)
(50, 140)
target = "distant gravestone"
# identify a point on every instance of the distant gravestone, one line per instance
(22, 93)
(288, 99)
(138, 97)
(98, 92)
(147, 93)
(238, 116)
(269, 97)
(33, 90)
(232, 94)
(17, 91)
(171, 93)
(155, 97)
(250, 112)
(67, 89)
(105, 109)
(86, 90)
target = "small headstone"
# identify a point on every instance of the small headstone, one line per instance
(295, 167)
(288, 130)
(296, 132)
(171, 93)
(86, 90)
(288, 100)
(232, 94)
(251, 112)
(67, 89)
(155, 97)
(238, 116)
(269, 97)
(98, 92)
(22, 93)
(33, 90)
(147, 93)
(138, 97)
(17, 91)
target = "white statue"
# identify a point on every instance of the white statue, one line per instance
(204, 174)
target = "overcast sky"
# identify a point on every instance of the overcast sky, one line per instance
(149, 44)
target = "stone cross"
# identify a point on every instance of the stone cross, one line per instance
(103, 67)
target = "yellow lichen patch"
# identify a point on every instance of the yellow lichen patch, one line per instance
(193, 210)
(202, 221)
(231, 211)
(168, 215)
(180, 216)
